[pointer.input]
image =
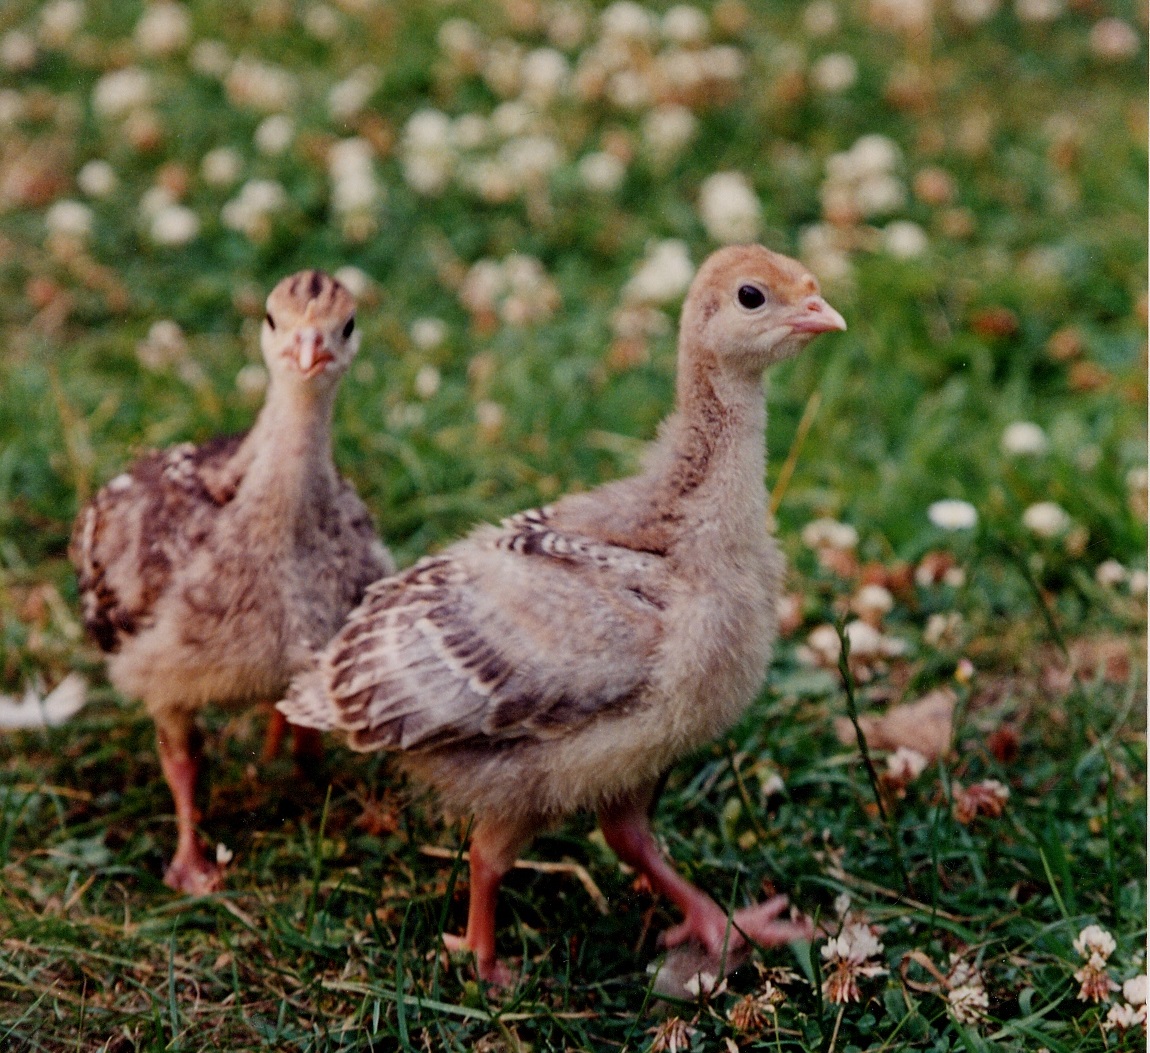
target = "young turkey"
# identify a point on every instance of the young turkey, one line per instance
(210, 573)
(567, 658)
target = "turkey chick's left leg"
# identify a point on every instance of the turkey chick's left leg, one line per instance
(180, 746)
(626, 826)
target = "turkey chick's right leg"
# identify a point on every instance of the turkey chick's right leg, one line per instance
(495, 844)
(180, 748)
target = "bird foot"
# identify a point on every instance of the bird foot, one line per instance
(705, 923)
(759, 922)
(694, 957)
(492, 970)
(193, 874)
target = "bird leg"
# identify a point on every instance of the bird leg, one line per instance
(626, 827)
(494, 846)
(179, 744)
(307, 743)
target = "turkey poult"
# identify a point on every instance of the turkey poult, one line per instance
(567, 658)
(210, 573)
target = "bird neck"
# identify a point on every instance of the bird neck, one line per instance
(290, 446)
(712, 468)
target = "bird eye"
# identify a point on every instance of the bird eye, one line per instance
(270, 321)
(347, 329)
(751, 297)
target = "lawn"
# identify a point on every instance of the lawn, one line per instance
(518, 193)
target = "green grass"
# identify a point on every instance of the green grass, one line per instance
(325, 937)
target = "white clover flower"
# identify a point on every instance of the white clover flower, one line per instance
(1110, 574)
(668, 130)
(1138, 583)
(221, 167)
(969, 1001)
(174, 225)
(904, 239)
(820, 18)
(821, 250)
(97, 179)
(118, 93)
(252, 380)
(626, 20)
(872, 602)
(905, 765)
(531, 157)
(251, 211)
(830, 533)
(17, 51)
(1024, 439)
(566, 24)
(1095, 940)
(952, 514)
(274, 134)
(1135, 990)
(354, 186)
(664, 275)
(943, 629)
(355, 280)
(210, 58)
(685, 25)
(868, 644)
(59, 22)
(1046, 519)
(153, 199)
(163, 29)
(1038, 10)
(462, 42)
(489, 416)
(322, 22)
(907, 16)
(772, 785)
(543, 76)
(163, 346)
(427, 382)
(257, 85)
(428, 333)
(1122, 1017)
(848, 956)
(11, 107)
(974, 12)
(69, 219)
(348, 98)
(834, 73)
(1114, 40)
(224, 855)
(469, 131)
(426, 152)
(602, 172)
(729, 208)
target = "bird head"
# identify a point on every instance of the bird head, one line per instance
(753, 307)
(309, 331)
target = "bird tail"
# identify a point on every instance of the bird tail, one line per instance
(307, 703)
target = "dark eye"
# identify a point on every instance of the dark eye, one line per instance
(270, 321)
(751, 297)
(347, 329)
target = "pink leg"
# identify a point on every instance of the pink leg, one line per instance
(627, 829)
(494, 847)
(274, 737)
(179, 746)
(306, 745)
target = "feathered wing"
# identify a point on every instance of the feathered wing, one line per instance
(517, 632)
(139, 526)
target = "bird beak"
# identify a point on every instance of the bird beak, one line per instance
(313, 351)
(815, 315)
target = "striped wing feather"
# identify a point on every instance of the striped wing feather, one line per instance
(498, 638)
